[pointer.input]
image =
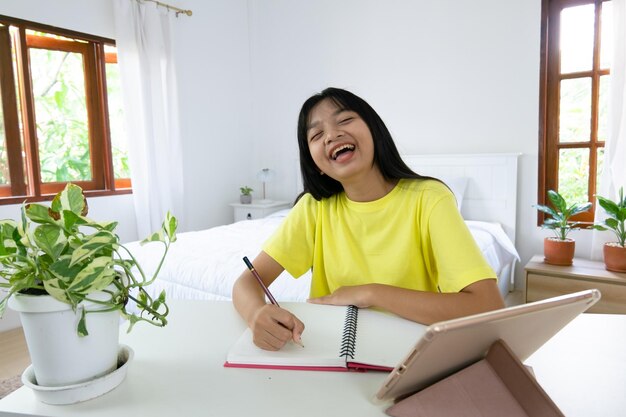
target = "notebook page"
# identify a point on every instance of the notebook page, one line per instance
(321, 339)
(384, 339)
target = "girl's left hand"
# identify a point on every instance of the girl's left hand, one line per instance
(357, 295)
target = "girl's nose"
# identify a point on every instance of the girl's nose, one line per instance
(332, 135)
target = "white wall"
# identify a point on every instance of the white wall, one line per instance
(213, 67)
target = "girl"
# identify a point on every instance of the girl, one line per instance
(375, 233)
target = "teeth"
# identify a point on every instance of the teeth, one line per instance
(340, 148)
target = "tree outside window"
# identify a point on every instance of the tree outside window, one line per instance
(575, 75)
(61, 118)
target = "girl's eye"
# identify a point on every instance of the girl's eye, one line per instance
(346, 120)
(315, 136)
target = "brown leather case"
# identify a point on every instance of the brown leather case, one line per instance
(498, 385)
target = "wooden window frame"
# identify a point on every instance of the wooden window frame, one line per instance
(550, 78)
(23, 159)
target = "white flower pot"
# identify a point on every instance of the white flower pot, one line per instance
(60, 357)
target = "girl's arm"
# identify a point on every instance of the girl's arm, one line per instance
(420, 306)
(271, 326)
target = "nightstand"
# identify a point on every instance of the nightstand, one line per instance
(544, 281)
(257, 210)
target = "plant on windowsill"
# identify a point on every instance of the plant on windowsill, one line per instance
(70, 279)
(246, 195)
(559, 250)
(614, 252)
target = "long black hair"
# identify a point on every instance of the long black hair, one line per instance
(386, 155)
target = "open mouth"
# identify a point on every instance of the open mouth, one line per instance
(341, 150)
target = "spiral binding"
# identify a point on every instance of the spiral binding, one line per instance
(348, 340)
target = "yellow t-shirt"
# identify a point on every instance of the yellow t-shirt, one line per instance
(414, 238)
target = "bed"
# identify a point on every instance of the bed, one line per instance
(205, 264)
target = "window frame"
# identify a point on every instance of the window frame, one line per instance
(550, 78)
(25, 178)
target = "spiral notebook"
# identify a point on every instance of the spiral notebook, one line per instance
(336, 338)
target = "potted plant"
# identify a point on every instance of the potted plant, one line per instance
(614, 252)
(559, 250)
(70, 279)
(246, 195)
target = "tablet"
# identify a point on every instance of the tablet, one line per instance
(449, 346)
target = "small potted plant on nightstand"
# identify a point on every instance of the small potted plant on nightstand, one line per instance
(614, 252)
(559, 250)
(246, 195)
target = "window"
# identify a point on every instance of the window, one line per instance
(60, 113)
(575, 62)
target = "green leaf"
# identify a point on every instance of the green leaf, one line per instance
(8, 244)
(38, 213)
(96, 276)
(132, 319)
(61, 269)
(3, 305)
(579, 208)
(56, 204)
(547, 210)
(609, 206)
(54, 287)
(93, 244)
(109, 226)
(82, 326)
(50, 239)
(557, 201)
(72, 199)
(154, 237)
(169, 225)
(612, 223)
(71, 219)
(551, 222)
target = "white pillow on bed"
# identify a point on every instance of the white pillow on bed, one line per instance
(457, 185)
(279, 213)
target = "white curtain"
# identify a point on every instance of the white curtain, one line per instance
(148, 78)
(614, 174)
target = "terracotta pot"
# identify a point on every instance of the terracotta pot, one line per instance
(557, 251)
(615, 257)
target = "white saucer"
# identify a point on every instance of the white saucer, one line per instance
(83, 391)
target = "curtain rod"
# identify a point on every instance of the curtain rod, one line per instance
(174, 8)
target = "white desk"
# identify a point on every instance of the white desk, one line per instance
(177, 371)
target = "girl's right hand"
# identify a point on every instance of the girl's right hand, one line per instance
(272, 327)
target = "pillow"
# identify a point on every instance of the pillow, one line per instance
(457, 185)
(279, 213)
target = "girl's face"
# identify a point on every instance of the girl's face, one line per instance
(340, 142)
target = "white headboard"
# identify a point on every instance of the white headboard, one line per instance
(491, 193)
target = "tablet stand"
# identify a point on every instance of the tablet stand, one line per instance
(498, 385)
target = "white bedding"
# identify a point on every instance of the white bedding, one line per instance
(205, 264)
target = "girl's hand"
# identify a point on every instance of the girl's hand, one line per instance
(272, 327)
(357, 295)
